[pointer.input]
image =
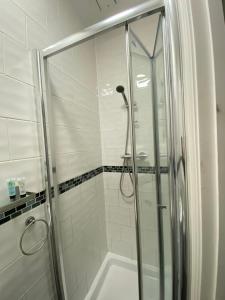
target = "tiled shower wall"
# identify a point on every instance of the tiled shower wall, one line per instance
(111, 70)
(25, 25)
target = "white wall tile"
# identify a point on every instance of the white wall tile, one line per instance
(128, 234)
(23, 139)
(17, 272)
(66, 232)
(119, 215)
(37, 10)
(12, 20)
(12, 284)
(80, 292)
(17, 99)
(37, 37)
(70, 271)
(111, 180)
(122, 248)
(42, 289)
(68, 202)
(17, 61)
(29, 168)
(87, 65)
(112, 197)
(30, 282)
(4, 145)
(40, 263)
(9, 250)
(33, 236)
(52, 11)
(62, 85)
(114, 231)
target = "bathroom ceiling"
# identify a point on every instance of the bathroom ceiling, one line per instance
(92, 11)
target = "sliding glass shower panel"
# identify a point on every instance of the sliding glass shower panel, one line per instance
(142, 93)
(163, 146)
(75, 131)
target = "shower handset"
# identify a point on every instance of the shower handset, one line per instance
(126, 157)
(120, 89)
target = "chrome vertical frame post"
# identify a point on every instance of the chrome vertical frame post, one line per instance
(158, 172)
(135, 176)
(41, 91)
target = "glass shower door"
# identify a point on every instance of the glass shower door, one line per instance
(150, 150)
(163, 146)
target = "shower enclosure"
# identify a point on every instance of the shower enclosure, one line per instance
(97, 232)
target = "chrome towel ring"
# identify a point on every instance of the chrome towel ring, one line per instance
(28, 223)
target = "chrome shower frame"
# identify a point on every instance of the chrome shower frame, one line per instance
(173, 71)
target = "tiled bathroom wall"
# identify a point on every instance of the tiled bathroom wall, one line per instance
(82, 214)
(89, 132)
(25, 25)
(24, 277)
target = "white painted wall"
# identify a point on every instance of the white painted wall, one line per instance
(202, 31)
(208, 147)
(218, 48)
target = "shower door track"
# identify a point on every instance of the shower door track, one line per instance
(179, 228)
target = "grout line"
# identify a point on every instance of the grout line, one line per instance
(26, 33)
(20, 159)
(59, 68)
(18, 80)
(18, 119)
(27, 14)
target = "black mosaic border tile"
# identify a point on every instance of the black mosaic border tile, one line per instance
(143, 169)
(71, 183)
(63, 187)
(8, 215)
(117, 169)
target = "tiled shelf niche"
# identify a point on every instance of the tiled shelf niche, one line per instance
(16, 207)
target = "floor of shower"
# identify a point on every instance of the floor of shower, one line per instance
(118, 279)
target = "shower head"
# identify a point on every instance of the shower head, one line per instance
(120, 89)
